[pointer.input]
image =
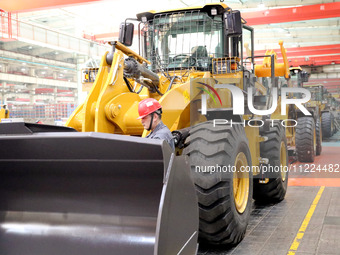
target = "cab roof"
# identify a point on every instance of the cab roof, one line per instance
(220, 7)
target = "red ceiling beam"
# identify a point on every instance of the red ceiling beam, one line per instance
(280, 15)
(25, 6)
(109, 35)
(310, 61)
(311, 50)
(22, 100)
(43, 90)
(319, 47)
(105, 36)
(314, 61)
(311, 55)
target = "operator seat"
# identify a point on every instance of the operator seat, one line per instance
(200, 54)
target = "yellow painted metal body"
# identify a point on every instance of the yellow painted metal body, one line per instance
(241, 183)
(111, 108)
(254, 138)
(281, 69)
(4, 113)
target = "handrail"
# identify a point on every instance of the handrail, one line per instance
(41, 34)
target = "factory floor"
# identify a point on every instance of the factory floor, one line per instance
(306, 222)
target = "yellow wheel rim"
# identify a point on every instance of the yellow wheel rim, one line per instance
(241, 183)
(283, 161)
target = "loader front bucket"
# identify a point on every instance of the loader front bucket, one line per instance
(93, 193)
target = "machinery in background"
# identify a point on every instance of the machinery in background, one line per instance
(323, 104)
(316, 107)
(337, 110)
(332, 106)
(304, 139)
(4, 112)
(106, 190)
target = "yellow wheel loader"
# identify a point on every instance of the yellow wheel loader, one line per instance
(317, 107)
(4, 113)
(331, 125)
(98, 187)
(304, 138)
(322, 105)
(336, 112)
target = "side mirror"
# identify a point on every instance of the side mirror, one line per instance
(233, 23)
(126, 33)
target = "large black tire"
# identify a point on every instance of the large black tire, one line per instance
(224, 216)
(275, 150)
(326, 124)
(318, 137)
(305, 139)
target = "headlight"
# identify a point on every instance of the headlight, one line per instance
(225, 65)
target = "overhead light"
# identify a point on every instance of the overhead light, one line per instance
(23, 64)
(45, 67)
(213, 11)
(261, 5)
(144, 19)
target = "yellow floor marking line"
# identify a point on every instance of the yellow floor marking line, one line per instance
(293, 248)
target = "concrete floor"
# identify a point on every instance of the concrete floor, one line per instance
(274, 228)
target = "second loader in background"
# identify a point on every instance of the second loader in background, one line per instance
(324, 105)
(4, 112)
(304, 139)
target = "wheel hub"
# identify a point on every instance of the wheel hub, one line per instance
(241, 183)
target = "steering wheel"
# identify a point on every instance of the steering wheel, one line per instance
(183, 58)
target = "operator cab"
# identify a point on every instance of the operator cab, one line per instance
(208, 38)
